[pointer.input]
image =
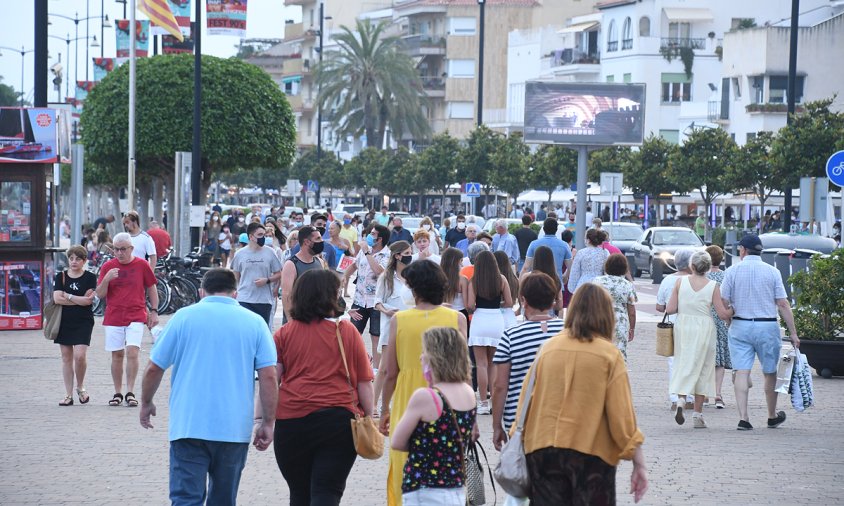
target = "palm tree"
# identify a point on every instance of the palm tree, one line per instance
(372, 86)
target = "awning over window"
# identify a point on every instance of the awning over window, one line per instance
(291, 79)
(687, 14)
(580, 27)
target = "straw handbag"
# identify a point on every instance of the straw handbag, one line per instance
(665, 337)
(369, 443)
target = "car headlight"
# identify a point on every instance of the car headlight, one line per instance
(666, 256)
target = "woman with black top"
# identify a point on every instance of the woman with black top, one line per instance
(74, 289)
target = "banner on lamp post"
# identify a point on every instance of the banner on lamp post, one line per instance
(226, 18)
(141, 37)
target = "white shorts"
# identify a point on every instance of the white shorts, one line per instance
(435, 497)
(118, 338)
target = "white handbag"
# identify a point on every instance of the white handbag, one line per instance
(512, 472)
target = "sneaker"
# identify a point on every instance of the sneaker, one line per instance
(483, 408)
(773, 423)
(743, 425)
(678, 416)
(719, 403)
(699, 422)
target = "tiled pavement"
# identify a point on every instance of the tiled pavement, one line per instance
(96, 454)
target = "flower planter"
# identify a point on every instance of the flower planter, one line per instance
(826, 357)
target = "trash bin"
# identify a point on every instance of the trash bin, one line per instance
(782, 261)
(800, 259)
(769, 255)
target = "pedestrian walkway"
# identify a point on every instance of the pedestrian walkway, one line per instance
(96, 454)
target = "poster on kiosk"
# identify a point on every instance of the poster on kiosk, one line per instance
(31, 140)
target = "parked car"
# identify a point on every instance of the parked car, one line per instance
(658, 245)
(623, 235)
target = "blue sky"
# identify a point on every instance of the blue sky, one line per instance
(265, 20)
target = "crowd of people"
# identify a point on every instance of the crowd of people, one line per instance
(456, 321)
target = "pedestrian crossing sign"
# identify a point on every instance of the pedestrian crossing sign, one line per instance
(473, 189)
(313, 186)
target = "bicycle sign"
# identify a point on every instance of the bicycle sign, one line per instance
(835, 168)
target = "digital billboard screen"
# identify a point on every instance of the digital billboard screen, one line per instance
(592, 114)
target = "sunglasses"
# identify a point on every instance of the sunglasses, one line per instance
(120, 250)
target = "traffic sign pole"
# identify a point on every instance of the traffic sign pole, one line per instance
(835, 173)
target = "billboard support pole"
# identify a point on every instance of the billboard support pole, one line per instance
(580, 215)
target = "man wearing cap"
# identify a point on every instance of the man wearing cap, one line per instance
(755, 291)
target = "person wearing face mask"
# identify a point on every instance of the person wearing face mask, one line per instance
(256, 269)
(399, 233)
(458, 233)
(307, 258)
(238, 223)
(349, 232)
(436, 241)
(212, 231)
(391, 296)
(328, 253)
(472, 231)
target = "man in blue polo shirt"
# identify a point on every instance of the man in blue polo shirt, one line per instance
(215, 347)
(561, 250)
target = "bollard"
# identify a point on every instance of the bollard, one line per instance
(730, 247)
(782, 262)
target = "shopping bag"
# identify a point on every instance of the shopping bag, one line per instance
(785, 369)
(802, 390)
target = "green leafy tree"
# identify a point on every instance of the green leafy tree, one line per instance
(326, 170)
(396, 176)
(436, 165)
(246, 120)
(612, 159)
(363, 170)
(754, 169)
(509, 163)
(8, 96)
(372, 85)
(702, 162)
(803, 147)
(552, 166)
(647, 170)
(475, 161)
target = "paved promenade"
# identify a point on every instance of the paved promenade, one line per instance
(96, 454)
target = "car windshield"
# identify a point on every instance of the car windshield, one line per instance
(624, 233)
(410, 222)
(676, 238)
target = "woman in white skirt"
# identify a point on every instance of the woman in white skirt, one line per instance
(486, 292)
(506, 269)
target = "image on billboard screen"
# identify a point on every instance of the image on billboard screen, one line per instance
(584, 113)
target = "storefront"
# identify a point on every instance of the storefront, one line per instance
(32, 142)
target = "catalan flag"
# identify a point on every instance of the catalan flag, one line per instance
(159, 12)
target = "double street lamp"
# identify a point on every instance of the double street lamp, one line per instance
(67, 41)
(22, 52)
(76, 19)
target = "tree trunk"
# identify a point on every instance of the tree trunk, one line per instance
(144, 192)
(171, 198)
(205, 182)
(157, 198)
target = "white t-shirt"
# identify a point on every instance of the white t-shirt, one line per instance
(225, 243)
(142, 245)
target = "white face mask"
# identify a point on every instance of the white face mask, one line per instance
(426, 227)
(461, 226)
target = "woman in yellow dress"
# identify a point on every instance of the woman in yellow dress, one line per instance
(403, 351)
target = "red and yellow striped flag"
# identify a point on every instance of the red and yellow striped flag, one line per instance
(160, 14)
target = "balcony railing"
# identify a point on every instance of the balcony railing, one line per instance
(569, 56)
(612, 46)
(627, 44)
(429, 44)
(683, 42)
(432, 82)
(718, 110)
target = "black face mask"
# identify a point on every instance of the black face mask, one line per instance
(317, 247)
(406, 259)
(397, 229)
(321, 230)
(260, 241)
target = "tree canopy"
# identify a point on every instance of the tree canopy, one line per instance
(9, 97)
(372, 86)
(701, 163)
(802, 147)
(552, 166)
(246, 120)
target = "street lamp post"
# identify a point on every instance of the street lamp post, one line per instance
(22, 52)
(481, 23)
(76, 19)
(67, 41)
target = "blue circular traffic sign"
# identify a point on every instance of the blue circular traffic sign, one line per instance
(835, 168)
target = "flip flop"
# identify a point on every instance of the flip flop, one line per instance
(117, 400)
(67, 401)
(83, 395)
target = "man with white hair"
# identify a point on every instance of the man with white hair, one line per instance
(471, 234)
(505, 241)
(125, 282)
(682, 258)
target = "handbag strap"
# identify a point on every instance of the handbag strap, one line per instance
(665, 317)
(529, 392)
(459, 433)
(346, 366)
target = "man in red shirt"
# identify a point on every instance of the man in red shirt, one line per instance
(125, 282)
(161, 239)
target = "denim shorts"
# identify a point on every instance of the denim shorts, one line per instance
(749, 339)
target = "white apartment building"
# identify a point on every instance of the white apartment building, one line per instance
(644, 41)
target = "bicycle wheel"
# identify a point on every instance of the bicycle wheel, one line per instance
(183, 293)
(163, 290)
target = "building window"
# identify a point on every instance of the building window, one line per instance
(758, 85)
(778, 89)
(644, 26)
(461, 26)
(736, 88)
(676, 88)
(679, 30)
(612, 37)
(610, 79)
(628, 78)
(751, 136)
(461, 110)
(672, 136)
(627, 34)
(461, 69)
